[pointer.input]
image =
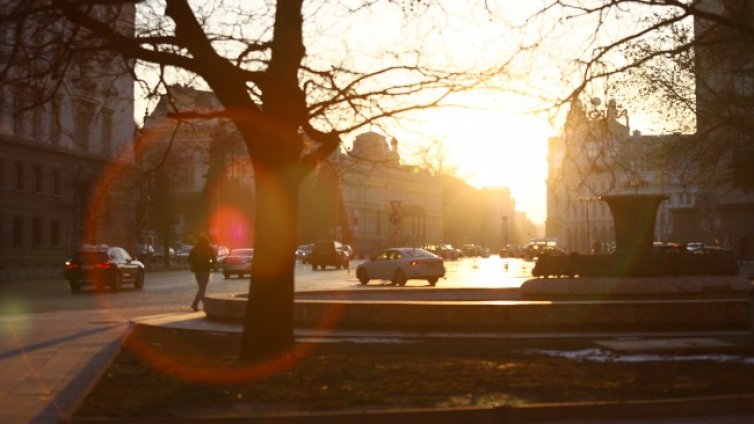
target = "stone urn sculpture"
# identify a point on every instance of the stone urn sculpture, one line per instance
(634, 219)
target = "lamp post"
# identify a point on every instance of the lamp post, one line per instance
(395, 220)
(505, 231)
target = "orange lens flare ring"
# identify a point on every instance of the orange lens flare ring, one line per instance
(193, 366)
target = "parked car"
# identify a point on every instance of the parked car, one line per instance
(304, 253)
(329, 253)
(447, 251)
(238, 262)
(663, 247)
(144, 251)
(182, 252)
(220, 253)
(401, 264)
(102, 266)
(471, 250)
(159, 253)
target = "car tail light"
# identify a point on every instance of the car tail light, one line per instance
(104, 265)
(416, 262)
(71, 265)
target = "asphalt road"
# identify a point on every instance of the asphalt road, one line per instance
(172, 291)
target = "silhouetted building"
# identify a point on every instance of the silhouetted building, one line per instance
(595, 156)
(63, 155)
(724, 65)
(367, 198)
(209, 181)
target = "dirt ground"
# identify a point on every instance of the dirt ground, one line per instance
(159, 375)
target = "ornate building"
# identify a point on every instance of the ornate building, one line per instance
(195, 174)
(595, 156)
(365, 197)
(63, 156)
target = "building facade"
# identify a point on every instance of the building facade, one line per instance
(364, 196)
(596, 156)
(367, 198)
(724, 74)
(65, 149)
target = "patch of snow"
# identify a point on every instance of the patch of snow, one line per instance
(355, 340)
(601, 355)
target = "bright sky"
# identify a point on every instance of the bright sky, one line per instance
(490, 148)
(493, 141)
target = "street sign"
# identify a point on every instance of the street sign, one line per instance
(395, 205)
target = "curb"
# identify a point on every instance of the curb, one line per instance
(71, 397)
(703, 406)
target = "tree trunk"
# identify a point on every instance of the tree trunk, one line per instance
(268, 324)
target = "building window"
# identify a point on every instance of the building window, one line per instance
(56, 182)
(743, 81)
(37, 116)
(55, 232)
(55, 120)
(38, 184)
(84, 111)
(19, 112)
(18, 172)
(36, 231)
(18, 231)
(107, 132)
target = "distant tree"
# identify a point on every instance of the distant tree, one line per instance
(275, 84)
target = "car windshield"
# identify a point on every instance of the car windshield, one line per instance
(242, 252)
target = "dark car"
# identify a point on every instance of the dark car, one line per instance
(329, 253)
(304, 253)
(238, 262)
(103, 266)
(220, 253)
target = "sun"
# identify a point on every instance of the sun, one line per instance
(491, 146)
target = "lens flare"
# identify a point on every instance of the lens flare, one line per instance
(233, 228)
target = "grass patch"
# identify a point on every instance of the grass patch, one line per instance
(173, 375)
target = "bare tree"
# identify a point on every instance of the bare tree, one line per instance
(686, 63)
(255, 59)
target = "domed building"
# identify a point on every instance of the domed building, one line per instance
(367, 198)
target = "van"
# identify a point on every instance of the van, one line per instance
(329, 253)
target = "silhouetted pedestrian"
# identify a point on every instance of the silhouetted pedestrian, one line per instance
(200, 259)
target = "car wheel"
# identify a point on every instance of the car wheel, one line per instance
(75, 286)
(361, 274)
(432, 281)
(399, 278)
(314, 267)
(117, 281)
(139, 283)
(226, 275)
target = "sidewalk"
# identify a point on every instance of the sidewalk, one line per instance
(49, 361)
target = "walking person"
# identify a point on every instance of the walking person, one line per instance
(201, 258)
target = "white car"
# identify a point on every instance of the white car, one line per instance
(401, 264)
(238, 262)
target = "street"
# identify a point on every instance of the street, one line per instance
(53, 343)
(172, 291)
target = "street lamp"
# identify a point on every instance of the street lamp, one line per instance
(505, 230)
